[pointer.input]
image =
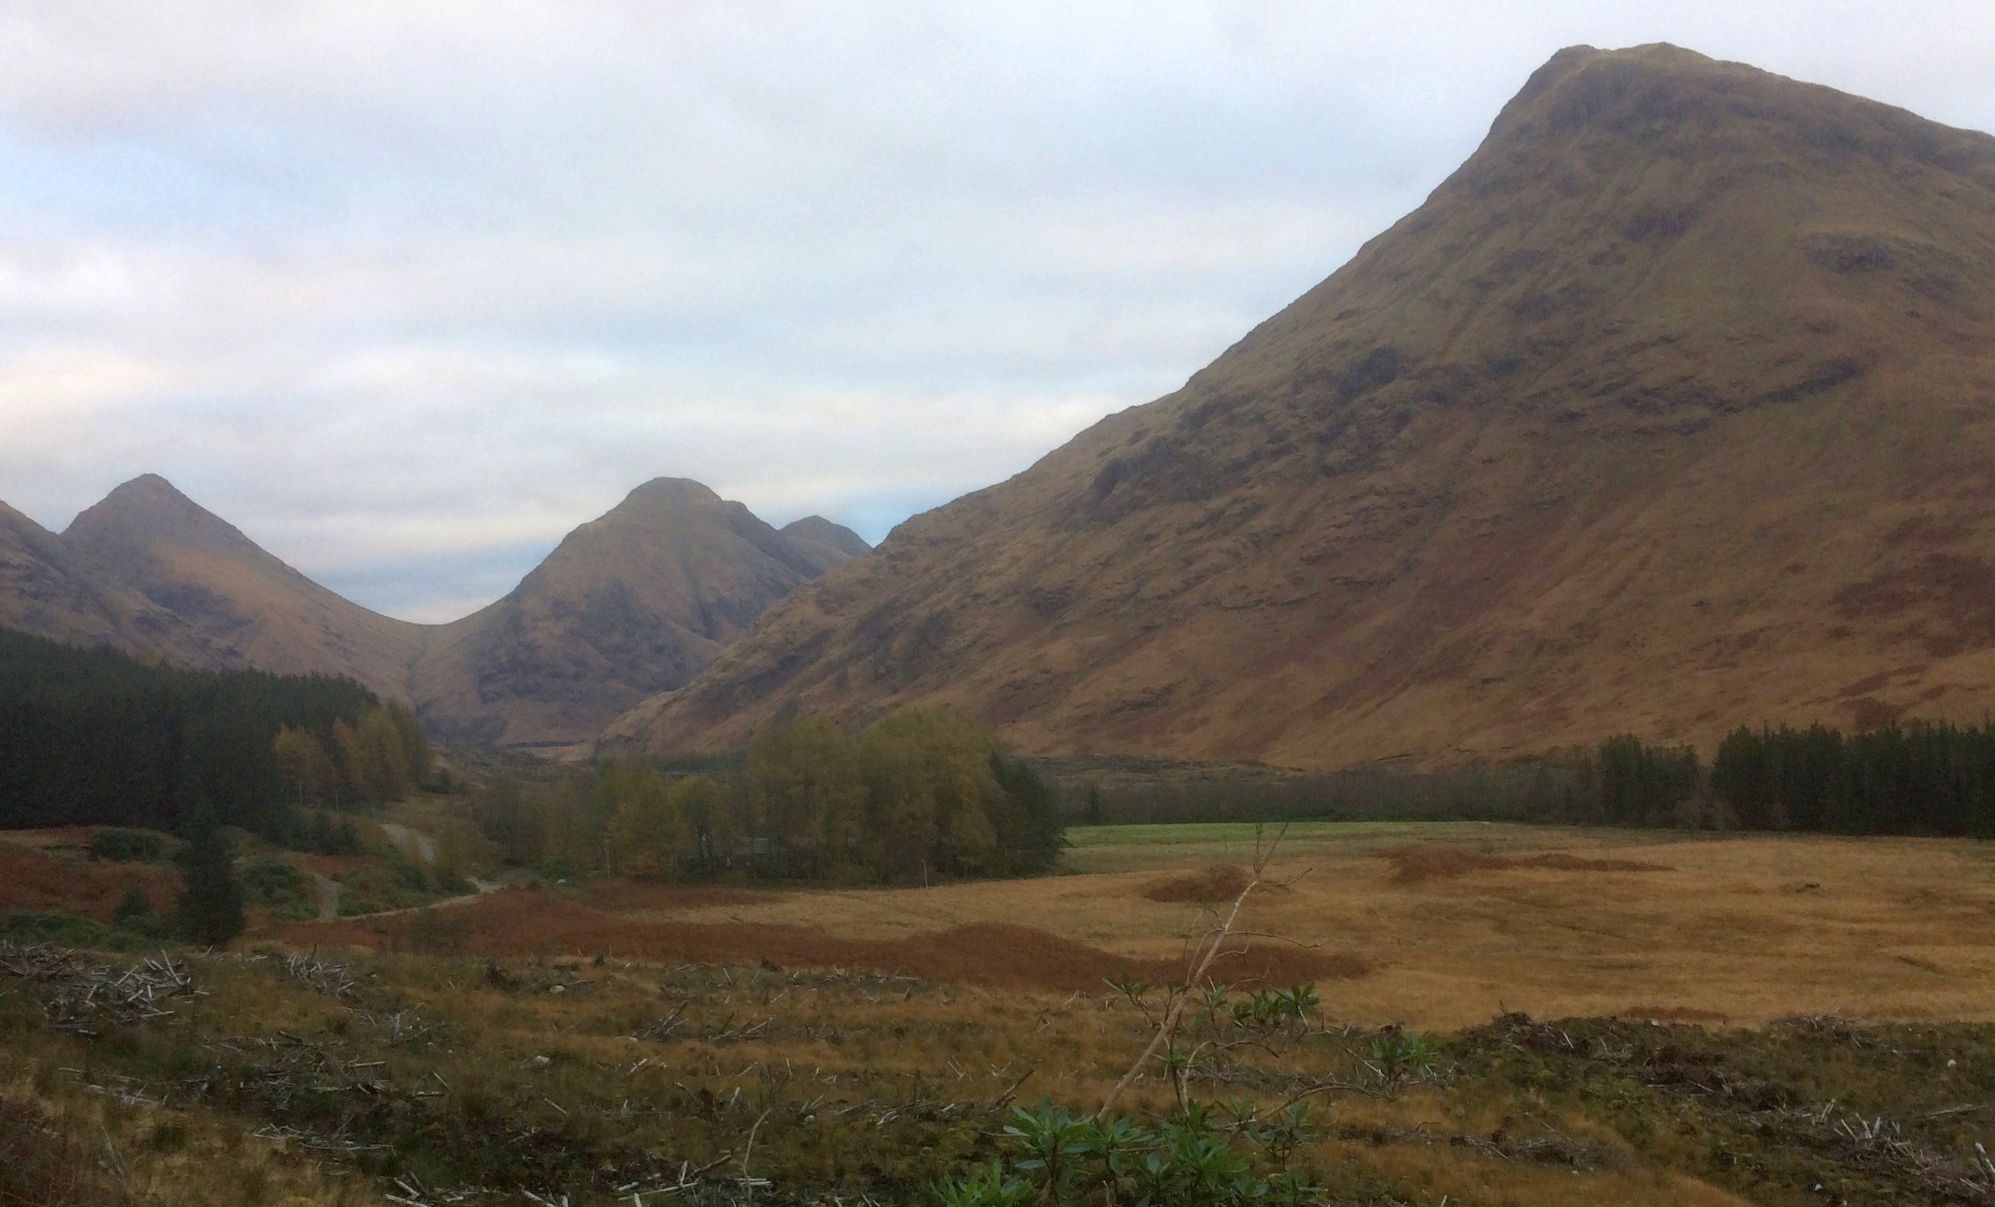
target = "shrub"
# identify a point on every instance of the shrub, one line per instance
(133, 905)
(279, 886)
(124, 846)
(1188, 1159)
(1199, 1153)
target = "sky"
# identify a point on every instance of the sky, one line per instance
(408, 290)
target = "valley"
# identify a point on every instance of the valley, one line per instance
(1511, 729)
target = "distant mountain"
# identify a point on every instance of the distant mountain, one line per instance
(245, 606)
(47, 589)
(1673, 408)
(627, 605)
(831, 544)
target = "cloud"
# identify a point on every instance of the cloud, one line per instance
(408, 291)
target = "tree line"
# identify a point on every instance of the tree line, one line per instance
(95, 736)
(1098, 792)
(1923, 778)
(921, 794)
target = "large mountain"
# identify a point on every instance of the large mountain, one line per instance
(1673, 408)
(628, 604)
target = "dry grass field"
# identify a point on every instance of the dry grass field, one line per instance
(1731, 1017)
(1430, 925)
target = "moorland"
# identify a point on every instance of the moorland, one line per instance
(1501, 1013)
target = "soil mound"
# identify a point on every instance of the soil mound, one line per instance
(1220, 882)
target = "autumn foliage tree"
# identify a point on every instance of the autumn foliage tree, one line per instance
(922, 794)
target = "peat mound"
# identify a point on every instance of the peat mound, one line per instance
(519, 922)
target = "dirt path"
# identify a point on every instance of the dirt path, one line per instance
(329, 892)
(329, 906)
(405, 838)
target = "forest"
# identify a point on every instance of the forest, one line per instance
(921, 795)
(97, 736)
(1916, 778)
(1922, 778)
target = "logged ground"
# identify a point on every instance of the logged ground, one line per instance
(1772, 1020)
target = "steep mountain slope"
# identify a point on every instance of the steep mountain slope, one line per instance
(246, 607)
(628, 605)
(1674, 407)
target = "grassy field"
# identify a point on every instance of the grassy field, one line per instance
(1777, 1020)
(1451, 922)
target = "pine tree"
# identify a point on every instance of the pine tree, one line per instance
(134, 907)
(210, 907)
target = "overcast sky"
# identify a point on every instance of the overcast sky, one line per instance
(408, 290)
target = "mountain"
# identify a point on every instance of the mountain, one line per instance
(245, 607)
(45, 589)
(626, 606)
(1673, 408)
(829, 544)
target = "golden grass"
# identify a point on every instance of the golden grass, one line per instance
(1746, 929)
(1427, 863)
(129, 1150)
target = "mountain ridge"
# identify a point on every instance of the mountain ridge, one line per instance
(149, 570)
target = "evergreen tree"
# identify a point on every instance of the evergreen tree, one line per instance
(210, 909)
(134, 906)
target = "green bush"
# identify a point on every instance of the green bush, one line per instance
(125, 846)
(133, 905)
(1188, 1159)
(280, 887)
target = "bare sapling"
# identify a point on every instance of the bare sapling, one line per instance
(1203, 954)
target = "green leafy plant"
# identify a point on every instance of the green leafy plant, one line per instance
(988, 1186)
(1403, 1055)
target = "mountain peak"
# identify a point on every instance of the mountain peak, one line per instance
(148, 481)
(674, 492)
(1675, 102)
(149, 509)
(816, 530)
(149, 489)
